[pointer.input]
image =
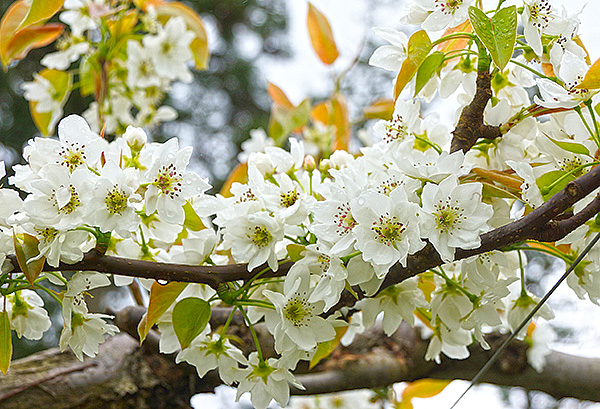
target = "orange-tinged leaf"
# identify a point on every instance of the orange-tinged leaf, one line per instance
(380, 109)
(324, 349)
(321, 35)
(592, 77)
(426, 284)
(199, 45)
(278, 96)
(341, 121)
(321, 112)
(424, 388)
(29, 38)
(547, 69)
(238, 174)
(40, 11)
(456, 43)
(509, 180)
(5, 342)
(123, 25)
(8, 26)
(418, 48)
(578, 41)
(161, 298)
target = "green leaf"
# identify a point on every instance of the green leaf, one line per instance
(5, 342)
(284, 121)
(40, 11)
(547, 179)
(498, 34)
(61, 82)
(571, 146)
(428, 69)
(295, 251)
(161, 298)
(192, 220)
(418, 48)
(190, 317)
(324, 349)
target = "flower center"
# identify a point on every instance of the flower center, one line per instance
(48, 234)
(324, 262)
(167, 47)
(396, 129)
(116, 201)
(261, 236)
(448, 6)
(386, 187)
(71, 206)
(344, 220)
(448, 216)
(168, 181)
(289, 199)
(72, 155)
(540, 14)
(570, 164)
(387, 229)
(298, 311)
(247, 196)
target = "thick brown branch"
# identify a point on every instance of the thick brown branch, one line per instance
(556, 230)
(470, 125)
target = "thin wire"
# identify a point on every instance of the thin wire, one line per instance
(539, 305)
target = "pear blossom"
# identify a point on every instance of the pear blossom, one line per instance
(537, 18)
(387, 230)
(27, 315)
(298, 318)
(444, 13)
(170, 50)
(453, 216)
(390, 57)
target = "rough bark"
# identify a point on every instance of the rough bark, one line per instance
(125, 375)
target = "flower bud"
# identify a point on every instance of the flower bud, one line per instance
(135, 137)
(309, 163)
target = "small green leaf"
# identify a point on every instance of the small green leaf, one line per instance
(192, 220)
(572, 147)
(428, 69)
(547, 179)
(324, 349)
(498, 34)
(5, 342)
(295, 251)
(190, 317)
(418, 48)
(284, 121)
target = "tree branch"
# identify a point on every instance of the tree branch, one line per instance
(470, 125)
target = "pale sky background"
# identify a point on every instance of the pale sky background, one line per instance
(304, 75)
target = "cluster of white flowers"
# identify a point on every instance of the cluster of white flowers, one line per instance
(345, 220)
(148, 56)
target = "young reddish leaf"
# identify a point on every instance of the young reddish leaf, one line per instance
(40, 11)
(321, 35)
(380, 109)
(192, 220)
(321, 112)
(26, 249)
(592, 77)
(324, 349)
(8, 26)
(509, 180)
(278, 96)
(238, 174)
(424, 388)
(123, 25)
(418, 48)
(456, 43)
(199, 46)
(5, 342)
(61, 81)
(190, 317)
(161, 298)
(29, 38)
